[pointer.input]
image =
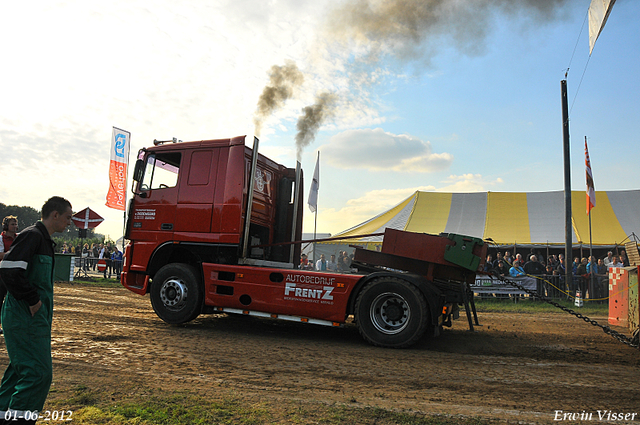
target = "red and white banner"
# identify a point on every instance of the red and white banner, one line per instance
(117, 196)
(86, 219)
(591, 190)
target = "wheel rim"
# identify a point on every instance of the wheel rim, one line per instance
(173, 294)
(390, 313)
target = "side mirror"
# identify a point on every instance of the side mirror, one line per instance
(138, 171)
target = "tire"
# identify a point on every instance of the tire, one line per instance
(176, 293)
(392, 313)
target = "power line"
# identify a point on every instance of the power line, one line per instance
(575, 48)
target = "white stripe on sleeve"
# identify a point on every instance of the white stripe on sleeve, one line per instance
(5, 264)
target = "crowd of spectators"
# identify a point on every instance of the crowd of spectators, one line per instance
(551, 269)
(589, 275)
(90, 255)
(340, 263)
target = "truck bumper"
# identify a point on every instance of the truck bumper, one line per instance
(135, 282)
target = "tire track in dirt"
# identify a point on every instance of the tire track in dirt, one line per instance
(515, 366)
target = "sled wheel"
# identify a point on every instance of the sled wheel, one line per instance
(391, 312)
(176, 295)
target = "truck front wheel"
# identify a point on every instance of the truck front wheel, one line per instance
(391, 312)
(176, 295)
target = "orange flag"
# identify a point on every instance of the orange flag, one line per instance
(117, 195)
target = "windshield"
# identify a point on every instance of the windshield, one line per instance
(161, 171)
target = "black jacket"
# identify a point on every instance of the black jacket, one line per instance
(30, 244)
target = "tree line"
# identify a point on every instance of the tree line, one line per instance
(28, 216)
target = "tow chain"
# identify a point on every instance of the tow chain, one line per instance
(634, 341)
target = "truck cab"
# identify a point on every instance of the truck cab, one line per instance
(189, 205)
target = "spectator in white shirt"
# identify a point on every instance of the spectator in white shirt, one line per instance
(321, 264)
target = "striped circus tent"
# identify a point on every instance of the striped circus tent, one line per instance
(509, 218)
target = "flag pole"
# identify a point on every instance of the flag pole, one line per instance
(124, 213)
(590, 238)
(592, 274)
(590, 204)
(568, 229)
(315, 224)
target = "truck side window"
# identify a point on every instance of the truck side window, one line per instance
(161, 171)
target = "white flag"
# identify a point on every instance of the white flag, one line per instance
(315, 186)
(598, 13)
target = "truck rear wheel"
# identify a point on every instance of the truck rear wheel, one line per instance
(176, 295)
(392, 313)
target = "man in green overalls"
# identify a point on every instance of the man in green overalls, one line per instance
(27, 273)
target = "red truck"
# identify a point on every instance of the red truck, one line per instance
(215, 227)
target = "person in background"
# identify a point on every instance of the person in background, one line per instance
(27, 273)
(332, 265)
(97, 252)
(602, 269)
(534, 267)
(592, 264)
(304, 262)
(86, 253)
(616, 262)
(9, 233)
(106, 254)
(519, 259)
(576, 263)
(551, 277)
(591, 270)
(322, 263)
(116, 262)
(502, 269)
(516, 270)
(602, 278)
(93, 256)
(562, 272)
(498, 259)
(348, 259)
(582, 276)
(623, 258)
(549, 273)
(341, 266)
(488, 265)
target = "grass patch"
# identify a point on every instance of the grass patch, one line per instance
(537, 306)
(185, 407)
(97, 282)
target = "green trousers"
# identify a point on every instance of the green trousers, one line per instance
(26, 381)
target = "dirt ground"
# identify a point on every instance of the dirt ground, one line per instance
(516, 367)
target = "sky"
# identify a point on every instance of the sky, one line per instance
(406, 95)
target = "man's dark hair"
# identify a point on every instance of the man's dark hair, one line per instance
(55, 203)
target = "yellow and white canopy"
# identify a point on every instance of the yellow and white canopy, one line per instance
(510, 218)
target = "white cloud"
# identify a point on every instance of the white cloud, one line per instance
(372, 203)
(468, 183)
(379, 150)
(358, 210)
